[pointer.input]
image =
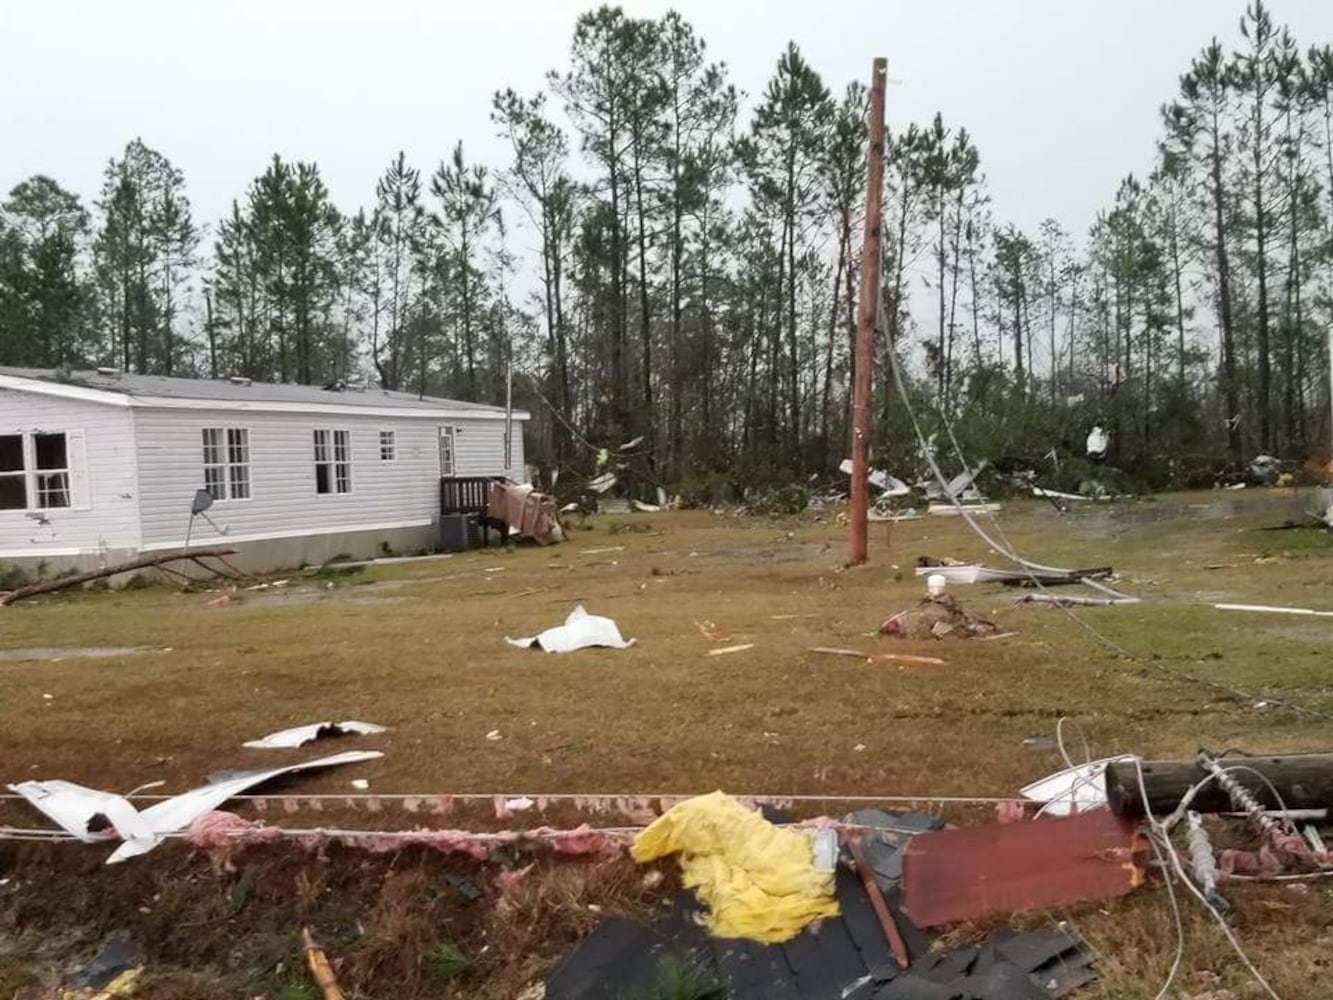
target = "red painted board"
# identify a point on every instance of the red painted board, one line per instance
(973, 872)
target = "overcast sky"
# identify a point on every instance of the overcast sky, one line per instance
(1060, 96)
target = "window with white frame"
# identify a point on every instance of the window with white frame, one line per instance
(34, 471)
(388, 446)
(13, 473)
(333, 461)
(448, 462)
(227, 462)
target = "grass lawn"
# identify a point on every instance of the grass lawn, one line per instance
(420, 648)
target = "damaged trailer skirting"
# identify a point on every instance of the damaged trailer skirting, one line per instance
(74, 808)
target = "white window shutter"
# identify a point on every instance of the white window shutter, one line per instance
(76, 454)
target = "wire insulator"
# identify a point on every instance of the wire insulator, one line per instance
(1203, 861)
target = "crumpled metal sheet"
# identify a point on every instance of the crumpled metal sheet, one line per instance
(73, 807)
(973, 872)
(299, 736)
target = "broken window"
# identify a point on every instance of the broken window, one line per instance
(34, 471)
(51, 480)
(333, 461)
(388, 446)
(13, 493)
(227, 462)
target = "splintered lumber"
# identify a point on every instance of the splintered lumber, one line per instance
(143, 562)
(320, 970)
(1305, 781)
(878, 657)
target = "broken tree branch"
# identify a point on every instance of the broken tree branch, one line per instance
(143, 562)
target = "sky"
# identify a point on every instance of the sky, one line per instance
(1060, 96)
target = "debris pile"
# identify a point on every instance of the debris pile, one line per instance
(937, 617)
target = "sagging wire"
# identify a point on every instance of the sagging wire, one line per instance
(1029, 566)
(1060, 741)
(1158, 832)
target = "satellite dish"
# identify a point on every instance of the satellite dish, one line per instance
(201, 502)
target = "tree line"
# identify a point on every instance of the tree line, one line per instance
(694, 270)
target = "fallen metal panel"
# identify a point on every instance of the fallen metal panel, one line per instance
(297, 736)
(74, 808)
(179, 812)
(968, 873)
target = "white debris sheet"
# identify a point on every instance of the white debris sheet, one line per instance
(299, 736)
(1076, 789)
(580, 631)
(74, 807)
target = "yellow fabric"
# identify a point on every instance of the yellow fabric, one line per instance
(757, 880)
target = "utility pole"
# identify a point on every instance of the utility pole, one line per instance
(865, 321)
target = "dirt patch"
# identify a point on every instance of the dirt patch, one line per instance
(393, 925)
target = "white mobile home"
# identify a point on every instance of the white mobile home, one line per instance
(97, 467)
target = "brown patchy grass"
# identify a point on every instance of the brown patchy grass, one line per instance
(419, 648)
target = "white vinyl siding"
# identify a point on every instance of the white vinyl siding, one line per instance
(284, 500)
(78, 482)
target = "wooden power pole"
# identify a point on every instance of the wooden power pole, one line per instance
(865, 320)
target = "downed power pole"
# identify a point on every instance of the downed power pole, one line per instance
(157, 560)
(1304, 781)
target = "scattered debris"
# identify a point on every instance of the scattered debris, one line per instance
(580, 631)
(320, 970)
(299, 736)
(494, 736)
(360, 784)
(1073, 790)
(724, 650)
(874, 657)
(967, 873)
(602, 483)
(646, 508)
(75, 808)
(1011, 966)
(939, 508)
(218, 602)
(524, 511)
(463, 886)
(1274, 609)
(845, 957)
(54, 654)
(758, 881)
(1075, 600)
(956, 572)
(117, 956)
(936, 618)
(601, 551)
(888, 485)
(1098, 443)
